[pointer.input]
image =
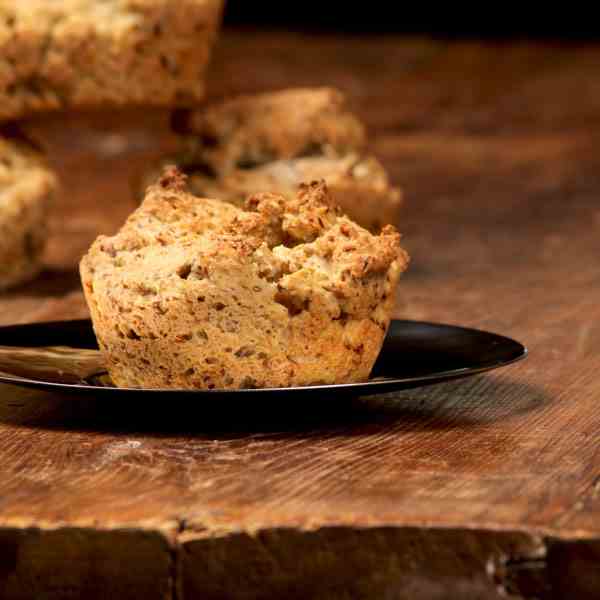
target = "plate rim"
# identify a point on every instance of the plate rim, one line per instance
(361, 385)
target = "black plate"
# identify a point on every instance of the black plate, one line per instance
(62, 356)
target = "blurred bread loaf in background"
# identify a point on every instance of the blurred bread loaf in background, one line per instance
(86, 53)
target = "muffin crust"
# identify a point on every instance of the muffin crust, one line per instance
(196, 293)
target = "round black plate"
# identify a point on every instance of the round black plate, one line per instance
(46, 355)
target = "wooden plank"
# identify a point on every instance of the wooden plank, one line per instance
(453, 490)
(84, 563)
(384, 563)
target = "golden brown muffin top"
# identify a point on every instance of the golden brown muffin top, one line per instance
(303, 247)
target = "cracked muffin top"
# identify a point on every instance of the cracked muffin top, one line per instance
(288, 240)
(195, 292)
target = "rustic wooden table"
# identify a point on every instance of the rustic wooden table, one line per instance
(472, 489)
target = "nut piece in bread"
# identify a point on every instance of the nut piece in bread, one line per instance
(197, 293)
(274, 141)
(26, 190)
(82, 53)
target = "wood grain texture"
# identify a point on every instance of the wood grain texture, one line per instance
(463, 490)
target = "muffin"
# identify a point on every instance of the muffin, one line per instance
(26, 189)
(82, 53)
(274, 141)
(197, 293)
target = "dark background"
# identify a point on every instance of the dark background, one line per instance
(487, 20)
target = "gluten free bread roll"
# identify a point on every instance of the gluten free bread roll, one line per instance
(274, 141)
(26, 190)
(196, 293)
(81, 53)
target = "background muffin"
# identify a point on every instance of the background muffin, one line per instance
(275, 141)
(80, 53)
(26, 189)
